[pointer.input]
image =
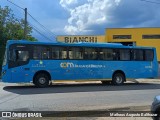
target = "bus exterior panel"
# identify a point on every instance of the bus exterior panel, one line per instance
(82, 61)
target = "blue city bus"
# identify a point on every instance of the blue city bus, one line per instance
(41, 63)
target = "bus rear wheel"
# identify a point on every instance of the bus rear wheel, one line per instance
(118, 79)
(41, 80)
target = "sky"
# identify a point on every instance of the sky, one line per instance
(85, 17)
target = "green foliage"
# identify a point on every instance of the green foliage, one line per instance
(11, 29)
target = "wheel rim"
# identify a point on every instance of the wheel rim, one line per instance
(119, 79)
(42, 80)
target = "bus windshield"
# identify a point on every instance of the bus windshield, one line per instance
(5, 58)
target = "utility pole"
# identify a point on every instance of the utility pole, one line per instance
(25, 24)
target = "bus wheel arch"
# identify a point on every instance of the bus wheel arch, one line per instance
(42, 78)
(118, 77)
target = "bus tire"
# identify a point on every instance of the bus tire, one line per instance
(118, 79)
(41, 80)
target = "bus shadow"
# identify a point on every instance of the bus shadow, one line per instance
(72, 88)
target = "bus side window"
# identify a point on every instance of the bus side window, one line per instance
(107, 54)
(90, 53)
(149, 55)
(137, 55)
(124, 54)
(12, 55)
(75, 53)
(115, 55)
(55, 53)
(22, 55)
(101, 54)
(37, 53)
(63, 53)
(45, 52)
(41, 52)
(59, 53)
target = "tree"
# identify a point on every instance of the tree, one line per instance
(11, 28)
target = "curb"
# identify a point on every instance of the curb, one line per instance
(146, 80)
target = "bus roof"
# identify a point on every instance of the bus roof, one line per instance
(86, 44)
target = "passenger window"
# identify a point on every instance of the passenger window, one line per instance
(37, 53)
(45, 53)
(55, 53)
(75, 53)
(90, 53)
(41, 52)
(137, 55)
(124, 54)
(149, 55)
(63, 53)
(106, 54)
(22, 55)
(59, 53)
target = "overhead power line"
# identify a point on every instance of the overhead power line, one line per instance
(25, 19)
(35, 28)
(15, 4)
(151, 1)
(42, 34)
(42, 26)
(38, 31)
(52, 34)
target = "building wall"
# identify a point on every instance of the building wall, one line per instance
(136, 36)
(80, 38)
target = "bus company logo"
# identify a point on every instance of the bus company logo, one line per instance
(66, 65)
(72, 65)
(6, 114)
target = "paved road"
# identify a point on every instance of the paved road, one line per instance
(80, 96)
(86, 96)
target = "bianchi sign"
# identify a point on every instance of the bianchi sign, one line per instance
(72, 65)
(92, 39)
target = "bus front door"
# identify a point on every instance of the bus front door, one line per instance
(18, 74)
(19, 58)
